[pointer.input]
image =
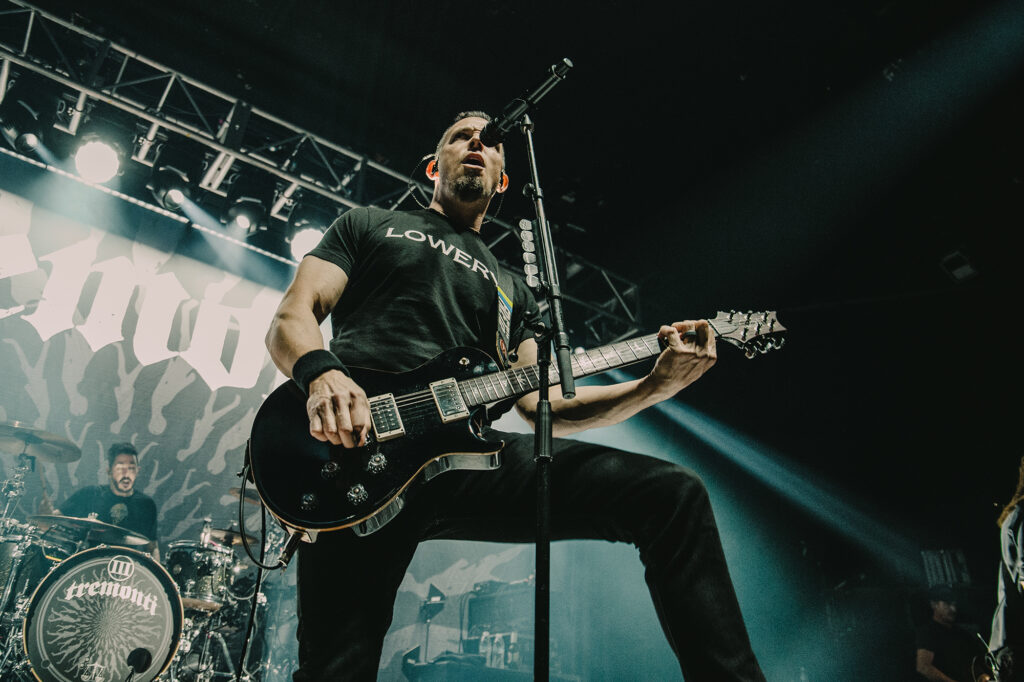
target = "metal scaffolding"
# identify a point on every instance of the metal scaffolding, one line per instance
(95, 75)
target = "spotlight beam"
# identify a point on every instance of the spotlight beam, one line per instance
(824, 504)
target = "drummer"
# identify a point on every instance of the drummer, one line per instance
(118, 503)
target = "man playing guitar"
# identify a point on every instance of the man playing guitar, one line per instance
(401, 287)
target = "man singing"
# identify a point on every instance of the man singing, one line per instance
(400, 288)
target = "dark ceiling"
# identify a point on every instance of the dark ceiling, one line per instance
(817, 158)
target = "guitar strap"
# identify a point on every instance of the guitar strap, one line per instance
(505, 285)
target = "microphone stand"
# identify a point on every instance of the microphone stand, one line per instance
(542, 431)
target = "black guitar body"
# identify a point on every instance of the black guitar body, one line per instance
(313, 485)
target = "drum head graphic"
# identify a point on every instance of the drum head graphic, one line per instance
(102, 614)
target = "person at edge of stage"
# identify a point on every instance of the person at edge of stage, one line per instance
(947, 652)
(403, 286)
(1006, 641)
(118, 503)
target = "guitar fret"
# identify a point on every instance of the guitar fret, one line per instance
(506, 384)
(478, 395)
(626, 356)
(585, 363)
(647, 340)
(524, 386)
(607, 352)
(496, 386)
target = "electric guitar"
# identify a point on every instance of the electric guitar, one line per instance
(422, 424)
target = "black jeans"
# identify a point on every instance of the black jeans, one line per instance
(347, 584)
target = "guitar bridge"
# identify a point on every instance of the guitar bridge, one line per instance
(387, 422)
(448, 399)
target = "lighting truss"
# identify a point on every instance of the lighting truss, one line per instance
(92, 70)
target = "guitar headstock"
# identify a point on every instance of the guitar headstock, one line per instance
(756, 332)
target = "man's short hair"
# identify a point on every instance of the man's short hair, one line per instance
(121, 449)
(458, 117)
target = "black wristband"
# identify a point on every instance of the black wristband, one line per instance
(313, 364)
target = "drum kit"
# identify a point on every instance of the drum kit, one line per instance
(81, 600)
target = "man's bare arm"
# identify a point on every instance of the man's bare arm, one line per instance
(337, 406)
(684, 361)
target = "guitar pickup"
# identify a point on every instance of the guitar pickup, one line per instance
(387, 422)
(448, 399)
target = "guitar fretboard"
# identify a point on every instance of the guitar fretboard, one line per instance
(520, 381)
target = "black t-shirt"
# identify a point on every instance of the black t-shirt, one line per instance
(417, 286)
(136, 512)
(954, 648)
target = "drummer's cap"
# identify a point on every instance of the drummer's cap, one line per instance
(121, 449)
(941, 593)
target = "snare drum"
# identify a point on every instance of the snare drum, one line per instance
(102, 614)
(203, 574)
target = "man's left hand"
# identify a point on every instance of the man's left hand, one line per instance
(689, 354)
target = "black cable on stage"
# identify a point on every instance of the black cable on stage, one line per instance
(260, 566)
(255, 596)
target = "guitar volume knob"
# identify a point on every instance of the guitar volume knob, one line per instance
(308, 502)
(330, 469)
(357, 494)
(377, 463)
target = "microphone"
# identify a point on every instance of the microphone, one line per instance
(495, 131)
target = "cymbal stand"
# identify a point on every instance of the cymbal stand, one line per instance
(13, 489)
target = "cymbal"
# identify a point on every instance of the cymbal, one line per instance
(18, 438)
(226, 536)
(96, 531)
(251, 496)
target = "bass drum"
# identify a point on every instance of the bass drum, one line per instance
(101, 615)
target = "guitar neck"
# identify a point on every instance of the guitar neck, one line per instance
(519, 381)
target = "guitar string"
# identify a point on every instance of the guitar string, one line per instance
(504, 380)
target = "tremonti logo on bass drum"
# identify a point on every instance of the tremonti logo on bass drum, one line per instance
(119, 569)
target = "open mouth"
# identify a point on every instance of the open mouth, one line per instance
(473, 161)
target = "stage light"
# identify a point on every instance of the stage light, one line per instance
(247, 214)
(20, 126)
(170, 187)
(248, 200)
(98, 160)
(304, 240)
(306, 224)
(25, 115)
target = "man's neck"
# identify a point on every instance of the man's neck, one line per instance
(466, 215)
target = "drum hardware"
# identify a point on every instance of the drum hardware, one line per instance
(30, 444)
(92, 531)
(203, 574)
(20, 439)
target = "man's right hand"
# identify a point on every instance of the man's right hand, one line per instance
(338, 410)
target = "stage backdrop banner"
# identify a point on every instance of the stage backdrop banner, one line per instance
(107, 339)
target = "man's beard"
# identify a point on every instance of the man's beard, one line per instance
(469, 188)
